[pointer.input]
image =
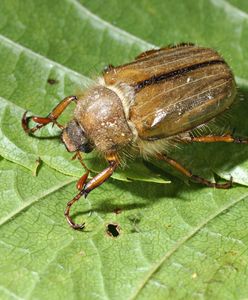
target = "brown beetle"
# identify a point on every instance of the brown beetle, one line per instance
(142, 106)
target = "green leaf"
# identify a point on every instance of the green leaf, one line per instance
(38, 95)
(175, 241)
(26, 150)
(191, 236)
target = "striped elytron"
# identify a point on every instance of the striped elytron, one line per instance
(142, 107)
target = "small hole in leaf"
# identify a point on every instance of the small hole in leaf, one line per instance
(52, 81)
(113, 230)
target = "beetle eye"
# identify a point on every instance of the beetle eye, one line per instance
(86, 148)
(75, 139)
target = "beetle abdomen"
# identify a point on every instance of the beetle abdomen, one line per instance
(183, 97)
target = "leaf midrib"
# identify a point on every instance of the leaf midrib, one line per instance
(230, 8)
(120, 34)
(48, 61)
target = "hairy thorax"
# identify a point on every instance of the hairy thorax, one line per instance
(101, 114)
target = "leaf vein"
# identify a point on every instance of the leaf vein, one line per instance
(117, 33)
(230, 9)
(29, 202)
(48, 61)
(181, 242)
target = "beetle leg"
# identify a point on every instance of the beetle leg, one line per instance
(79, 157)
(227, 138)
(193, 177)
(51, 118)
(81, 182)
(67, 213)
(87, 188)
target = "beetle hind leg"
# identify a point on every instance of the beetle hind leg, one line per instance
(193, 177)
(226, 138)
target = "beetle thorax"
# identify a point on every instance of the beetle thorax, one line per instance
(101, 114)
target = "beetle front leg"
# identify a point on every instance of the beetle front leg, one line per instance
(87, 188)
(51, 118)
(193, 177)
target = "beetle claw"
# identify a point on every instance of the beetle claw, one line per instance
(25, 121)
(78, 226)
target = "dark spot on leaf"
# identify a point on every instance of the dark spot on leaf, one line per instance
(117, 210)
(113, 230)
(52, 81)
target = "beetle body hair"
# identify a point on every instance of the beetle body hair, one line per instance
(136, 146)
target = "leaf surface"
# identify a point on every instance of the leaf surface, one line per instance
(176, 241)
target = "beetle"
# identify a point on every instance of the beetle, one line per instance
(142, 107)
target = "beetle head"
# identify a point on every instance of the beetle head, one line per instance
(75, 139)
